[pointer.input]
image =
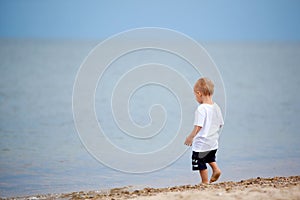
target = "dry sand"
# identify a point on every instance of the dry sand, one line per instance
(257, 188)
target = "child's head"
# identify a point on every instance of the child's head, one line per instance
(203, 88)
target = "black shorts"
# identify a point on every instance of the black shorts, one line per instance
(199, 159)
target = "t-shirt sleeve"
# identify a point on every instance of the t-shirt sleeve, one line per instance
(220, 116)
(199, 117)
(222, 120)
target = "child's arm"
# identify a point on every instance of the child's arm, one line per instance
(189, 139)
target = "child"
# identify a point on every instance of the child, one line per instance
(205, 135)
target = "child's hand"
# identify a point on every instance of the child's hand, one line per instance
(188, 141)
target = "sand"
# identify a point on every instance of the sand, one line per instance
(256, 188)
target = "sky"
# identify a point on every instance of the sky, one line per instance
(225, 20)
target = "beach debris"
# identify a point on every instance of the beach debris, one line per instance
(129, 191)
(219, 194)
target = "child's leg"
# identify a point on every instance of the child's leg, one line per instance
(204, 176)
(216, 172)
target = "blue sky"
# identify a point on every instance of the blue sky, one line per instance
(263, 20)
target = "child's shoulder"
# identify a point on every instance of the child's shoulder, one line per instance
(208, 107)
(203, 107)
(216, 105)
(200, 106)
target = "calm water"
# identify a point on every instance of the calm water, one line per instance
(40, 151)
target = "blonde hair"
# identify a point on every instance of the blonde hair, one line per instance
(205, 86)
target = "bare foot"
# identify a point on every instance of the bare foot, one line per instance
(215, 176)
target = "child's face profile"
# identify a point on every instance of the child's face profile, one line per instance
(198, 96)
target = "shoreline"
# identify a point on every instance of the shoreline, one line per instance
(258, 188)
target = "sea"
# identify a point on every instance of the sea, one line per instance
(42, 152)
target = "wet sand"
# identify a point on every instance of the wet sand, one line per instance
(256, 188)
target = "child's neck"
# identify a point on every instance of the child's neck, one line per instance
(207, 100)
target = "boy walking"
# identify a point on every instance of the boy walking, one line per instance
(205, 135)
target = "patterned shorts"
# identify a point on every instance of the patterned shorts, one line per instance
(199, 159)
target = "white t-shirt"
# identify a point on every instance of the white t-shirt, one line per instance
(209, 117)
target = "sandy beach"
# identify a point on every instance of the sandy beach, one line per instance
(256, 188)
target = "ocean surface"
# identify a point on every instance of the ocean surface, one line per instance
(41, 151)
